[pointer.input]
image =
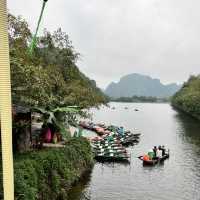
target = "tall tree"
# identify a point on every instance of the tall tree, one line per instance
(50, 76)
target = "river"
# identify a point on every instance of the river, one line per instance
(177, 179)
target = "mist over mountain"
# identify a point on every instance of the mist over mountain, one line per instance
(140, 85)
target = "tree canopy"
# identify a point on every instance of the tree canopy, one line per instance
(139, 99)
(49, 77)
(188, 98)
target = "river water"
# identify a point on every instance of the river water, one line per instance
(177, 179)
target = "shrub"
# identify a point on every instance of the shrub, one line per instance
(49, 173)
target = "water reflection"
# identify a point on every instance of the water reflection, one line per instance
(80, 190)
(189, 128)
(178, 178)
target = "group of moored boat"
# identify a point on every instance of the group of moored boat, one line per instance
(111, 142)
(106, 150)
(112, 132)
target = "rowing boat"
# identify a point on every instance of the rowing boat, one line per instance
(112, 157)
(154, 161)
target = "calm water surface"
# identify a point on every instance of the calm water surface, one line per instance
(177, 179)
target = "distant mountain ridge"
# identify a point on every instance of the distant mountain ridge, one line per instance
(140, 85)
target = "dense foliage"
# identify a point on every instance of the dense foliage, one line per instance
(49, 76)
(61, 118)
(188, 98)
(139, 99)
(48, 174)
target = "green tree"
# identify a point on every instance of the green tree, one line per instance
(50, 76)
(187, 98)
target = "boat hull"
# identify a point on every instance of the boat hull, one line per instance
(112, 159)
(154, 162)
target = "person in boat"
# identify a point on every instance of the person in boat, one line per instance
(163, 150)
(155, 152)
(159, 152)
(121, 130)
(151, 154)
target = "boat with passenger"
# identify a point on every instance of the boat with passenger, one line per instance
(155, 156)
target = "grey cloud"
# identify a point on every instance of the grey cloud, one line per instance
(117, 37)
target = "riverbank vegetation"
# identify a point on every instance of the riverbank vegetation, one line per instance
(49, 76)
(140, 99)
(187, 98)
(49, 174)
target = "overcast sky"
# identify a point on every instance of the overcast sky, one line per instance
(160, 38)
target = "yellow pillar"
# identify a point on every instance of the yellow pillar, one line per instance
(5, 106)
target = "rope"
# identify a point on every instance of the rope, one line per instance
(34, 40)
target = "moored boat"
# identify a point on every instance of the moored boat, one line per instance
(111, 134)
(112, 157)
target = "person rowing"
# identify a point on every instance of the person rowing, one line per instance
(155, 152)
(159, 152)
(163, 150)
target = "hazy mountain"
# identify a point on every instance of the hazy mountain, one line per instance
(140, 85)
